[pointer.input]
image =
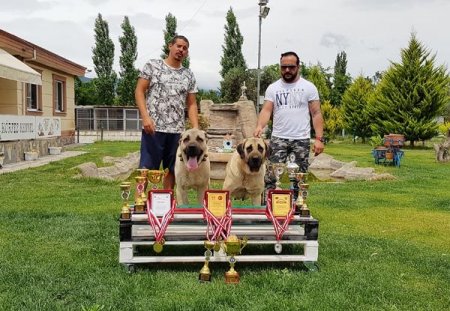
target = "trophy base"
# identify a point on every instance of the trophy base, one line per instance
(232, 277)
(204, 277)
(125, 215)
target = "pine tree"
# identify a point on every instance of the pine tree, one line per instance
(354, 106)
(341, 80)
(232, 48)
(103, 59)
(169, 33)
(411, 95)
(128, 72)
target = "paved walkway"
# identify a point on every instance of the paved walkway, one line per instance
(12, 167)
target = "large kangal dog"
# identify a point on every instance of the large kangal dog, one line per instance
(246, 169)
(192, 167)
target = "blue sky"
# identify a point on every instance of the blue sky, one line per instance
(372, 33)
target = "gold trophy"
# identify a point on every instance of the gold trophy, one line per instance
(233, 246)
(277, 169)
(301, 205)
(140, 194)
(155, 177)
(125, 193)
(205, 273)
(143, 173)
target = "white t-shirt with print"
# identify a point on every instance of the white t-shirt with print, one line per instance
(291, 118)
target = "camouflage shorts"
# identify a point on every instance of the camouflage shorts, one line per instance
(288, 149)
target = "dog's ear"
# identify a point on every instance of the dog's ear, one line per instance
(268, 150)
(240, 150)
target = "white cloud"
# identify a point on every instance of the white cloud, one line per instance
(371, 32)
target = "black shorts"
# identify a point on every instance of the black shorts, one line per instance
(159, 147)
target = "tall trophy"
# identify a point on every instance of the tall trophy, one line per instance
(302, 207)
(205, 273)
(292, 169)
(125, 194)
(140, 196)
(233, 246)
(277, 169)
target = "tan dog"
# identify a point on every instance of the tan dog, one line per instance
(192, 167)
(246, 169)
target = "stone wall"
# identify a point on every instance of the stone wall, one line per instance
(238, 119)
(14, 151)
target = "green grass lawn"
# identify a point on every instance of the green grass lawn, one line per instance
(384, 245)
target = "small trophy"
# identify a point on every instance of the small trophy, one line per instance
(125, 194)
(205, 273)
(155, 177)
(233, 246)
(277, 169)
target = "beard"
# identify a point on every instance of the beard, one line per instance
(290, 76)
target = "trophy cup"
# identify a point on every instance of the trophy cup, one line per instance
(302, 208)
(143, 173)
(205, 273)
(233, 246)
(155, 177)
(125, 194)
(292, 169)
(140, 194)
(277, 169)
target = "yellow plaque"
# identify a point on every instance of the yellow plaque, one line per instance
(281, 204)
(217, 203)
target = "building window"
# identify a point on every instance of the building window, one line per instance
(59, 94)
(33, 97)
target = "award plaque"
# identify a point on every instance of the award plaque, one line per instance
(279, 210)
(160, 210)
(217, 203)
(281, 204)
(217, 212)
(161, 201)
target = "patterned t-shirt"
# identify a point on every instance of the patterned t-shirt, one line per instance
(166, 95)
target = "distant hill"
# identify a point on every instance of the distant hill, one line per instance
(85, 79)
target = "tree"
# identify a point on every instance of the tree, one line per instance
(231, 84)
(341, 80)
(332, 118)
(85, 92)
(169, 33)
(318, 77)
(232, 47)
(411, 95)
(103, 58)
(354, 106)
(128, 73)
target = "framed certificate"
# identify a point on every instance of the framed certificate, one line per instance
(281, 202)
(160, 201)
(217, 202)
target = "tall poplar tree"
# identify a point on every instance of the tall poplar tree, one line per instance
(103, 59)
(169, 33)
(411, 94)
(232, 47)
(341, 80)
(128, 72)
